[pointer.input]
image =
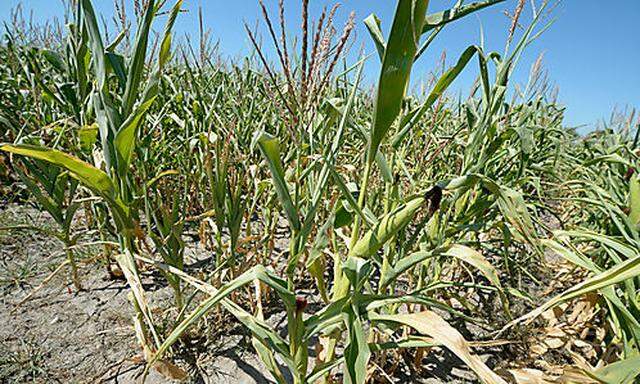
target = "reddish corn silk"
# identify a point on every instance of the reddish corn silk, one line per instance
(630, 172)
(301, 304)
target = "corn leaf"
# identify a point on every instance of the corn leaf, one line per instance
(620, 372)
(372, 22)
(136, 66)
(356, 353)
(396, 69)
(259, 329)
(441, 18)
(408, 121)
(126, 137)
(87, 174)
(270, 148)
(634, 201)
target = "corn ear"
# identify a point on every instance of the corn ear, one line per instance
(386, 228)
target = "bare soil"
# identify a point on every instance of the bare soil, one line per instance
(66, 336)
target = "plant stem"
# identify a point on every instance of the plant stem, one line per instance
(361, 201)
(74, 267)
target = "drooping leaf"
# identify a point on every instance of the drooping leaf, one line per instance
(259, 329)
(86, 173)
(372, 22)
(617, 274)
(430, 324)
(440, 18)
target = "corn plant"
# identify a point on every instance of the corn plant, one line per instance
(118, 118)
(352, 303)
(55, 192)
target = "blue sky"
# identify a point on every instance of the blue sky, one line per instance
(592, 51)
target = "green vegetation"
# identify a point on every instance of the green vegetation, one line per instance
(403, 213)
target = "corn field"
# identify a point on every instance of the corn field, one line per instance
(345, 232)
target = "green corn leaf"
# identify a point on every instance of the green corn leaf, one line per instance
(374, 302)
(356, 353)
(461, 252)
(315, 263)
(624, 249)
(441, 18)
(136, 65)
(258, 328)
(343, 216)
(90, 176)
(372, 22)
(268, 358)
(87, 174)
(321, 370)
(634, 201)
(325, 319)
(125, 139)
(439, 88)
(620, 372)
(407, 263)
(107, 115)
(169, 172)
(55, 60)
(510, 202)
(116, 62)
(357, 270)
(114, 44)
(612, 158)
(409, 342)
(95, 43)
(270, 148)
(573, 257)
(45, 201)
(87, 136)
(151, 89)
(385, 170)
(366, 216)
(396, 69)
